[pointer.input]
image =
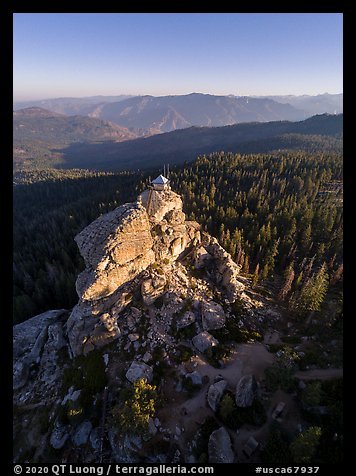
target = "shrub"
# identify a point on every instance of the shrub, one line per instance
(85, 372)
(276, 450)
(217, 353)
(206, 429)
(277, 376)
(183, 354)
(312, 394)
(312, 357)
(239, 334)
(291, 339)
(93, 369)
(274, 348)
(190, 386)
(133, 416)
(234, 417)
(304, 447)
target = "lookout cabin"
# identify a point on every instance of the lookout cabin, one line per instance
(160, 183)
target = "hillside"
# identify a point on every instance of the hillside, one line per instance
(322, 132)
(69, 106)
(39, 133)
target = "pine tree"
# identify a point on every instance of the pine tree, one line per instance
(133, 417)
(246, 265)
(265, 272)
(256, 275)
(313, 291)
(287, 284)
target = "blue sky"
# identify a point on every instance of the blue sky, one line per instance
(58, 55)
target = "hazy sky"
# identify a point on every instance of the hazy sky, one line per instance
(58, 55)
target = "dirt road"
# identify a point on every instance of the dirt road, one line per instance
(319, 374)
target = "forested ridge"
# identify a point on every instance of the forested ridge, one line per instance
(58, 142)
(279, 215)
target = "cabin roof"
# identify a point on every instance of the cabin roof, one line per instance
(160, 180)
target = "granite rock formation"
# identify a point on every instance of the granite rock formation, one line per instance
(134, 249)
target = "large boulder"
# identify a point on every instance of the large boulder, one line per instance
(21, 371)
(30, 336)
(215, 394)
(139, 370)
(59, 436)
(204, 341)
(219, 447)
(95, 438)
(213, 316)
(246, 391)
(82, 433)
(30, 339)
(202, 257)
(116, 247)
(152, 288)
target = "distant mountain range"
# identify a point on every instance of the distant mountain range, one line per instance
(46, 139)
(311, 105)
(69, 106)
(148, 115)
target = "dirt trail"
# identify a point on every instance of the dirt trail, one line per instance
(320, 374)
(245, 359)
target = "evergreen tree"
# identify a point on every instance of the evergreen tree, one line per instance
(304, 447)
(256, 275)
(288, 281)
(133, 417)
(313, 291)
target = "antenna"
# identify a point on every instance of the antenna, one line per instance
(164, 170)
(167, 170)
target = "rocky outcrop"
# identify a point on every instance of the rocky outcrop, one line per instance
(30, 336)
(29, 342)
(159, 285)
(163, 204)
(215, 394)
(219, 447)
(225, 270)
(116, 247)
(132, 249)
(246, 391)
(152, 288)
